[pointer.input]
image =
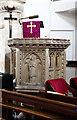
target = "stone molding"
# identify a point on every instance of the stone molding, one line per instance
(12, 5)
(41, 43)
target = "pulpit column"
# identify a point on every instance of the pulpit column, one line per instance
(47, 64)
(18, 65)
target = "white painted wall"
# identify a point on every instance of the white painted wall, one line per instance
(70, 73)
(63, 5)
(63, 26)
(76, 31)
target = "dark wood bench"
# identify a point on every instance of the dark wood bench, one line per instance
(59, 97)
(38, 106)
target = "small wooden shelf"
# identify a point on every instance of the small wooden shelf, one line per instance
(71, 64)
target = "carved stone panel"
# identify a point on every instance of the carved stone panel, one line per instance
(31, 69)
(57, 64)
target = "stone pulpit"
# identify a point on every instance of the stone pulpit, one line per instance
(35, 60)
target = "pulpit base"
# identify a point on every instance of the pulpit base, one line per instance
(30, 88)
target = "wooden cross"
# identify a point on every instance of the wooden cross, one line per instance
(10, 23)
(31, 26)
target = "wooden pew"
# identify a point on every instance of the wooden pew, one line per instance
(38, 106)
(59, 97)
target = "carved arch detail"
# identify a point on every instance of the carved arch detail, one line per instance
(32, 69)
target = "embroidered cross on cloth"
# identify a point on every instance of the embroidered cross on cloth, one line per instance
(31, 29)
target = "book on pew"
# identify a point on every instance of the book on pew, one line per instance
(55, 93)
